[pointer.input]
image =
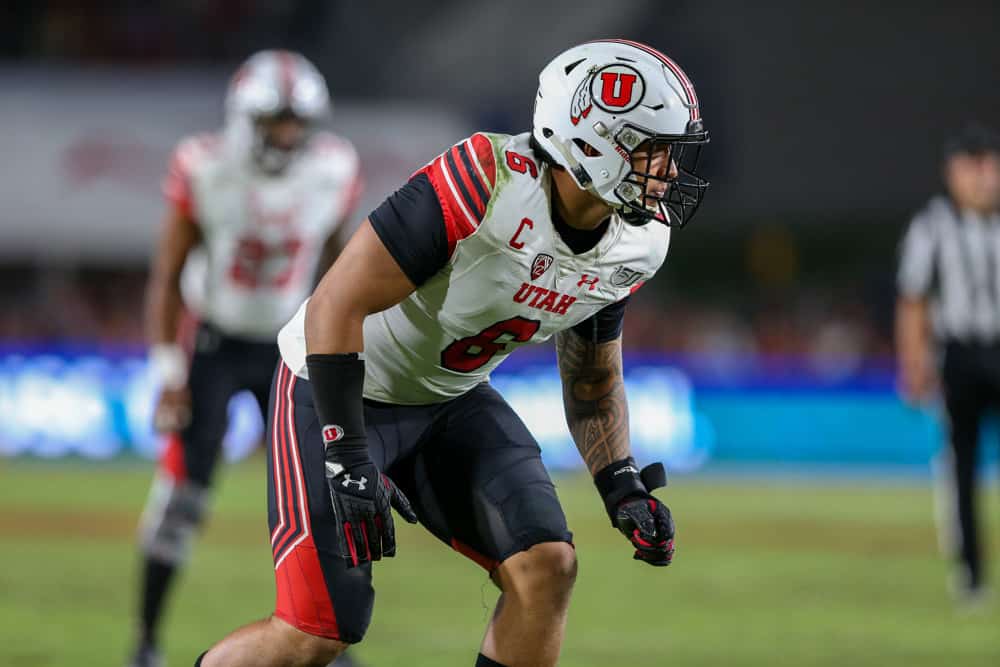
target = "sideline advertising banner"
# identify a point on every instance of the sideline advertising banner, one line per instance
(96, 404)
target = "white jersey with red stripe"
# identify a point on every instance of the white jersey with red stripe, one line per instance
(262, 236)
(510, 279)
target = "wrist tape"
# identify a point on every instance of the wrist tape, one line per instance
(169, 364)
(618, 481)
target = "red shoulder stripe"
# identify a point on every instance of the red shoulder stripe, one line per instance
(470, 186)
(463, 178)
(458, 222)
(177, 184)
(482, 152)
(452, 196)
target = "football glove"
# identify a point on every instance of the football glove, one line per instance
(362, 496)
(633, 510)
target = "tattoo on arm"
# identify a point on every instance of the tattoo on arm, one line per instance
(594, 398)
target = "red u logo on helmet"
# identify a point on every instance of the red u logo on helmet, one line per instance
(617, 88)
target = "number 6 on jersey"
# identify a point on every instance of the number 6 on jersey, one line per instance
(473, 352)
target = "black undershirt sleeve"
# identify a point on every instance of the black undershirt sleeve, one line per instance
(605, 325)
(411, 226)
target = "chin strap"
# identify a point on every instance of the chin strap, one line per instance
(583, 178)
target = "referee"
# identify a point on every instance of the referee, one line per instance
(949, 311)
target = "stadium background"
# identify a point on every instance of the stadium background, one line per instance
(759, 360)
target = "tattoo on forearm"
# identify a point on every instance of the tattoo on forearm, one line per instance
(594, 398)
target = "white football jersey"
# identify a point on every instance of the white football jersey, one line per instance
(262, 235)
(510, 280)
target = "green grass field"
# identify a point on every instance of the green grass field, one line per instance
(789, 573)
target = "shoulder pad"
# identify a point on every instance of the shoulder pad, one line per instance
(464, 178)
(187, 156)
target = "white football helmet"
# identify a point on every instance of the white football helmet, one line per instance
(597, 102)
(274, 84)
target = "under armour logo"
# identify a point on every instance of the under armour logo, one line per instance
(590, 282)
(360, 482)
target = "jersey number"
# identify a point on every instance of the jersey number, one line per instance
(473, 352)
(257, 264)
(521, 164)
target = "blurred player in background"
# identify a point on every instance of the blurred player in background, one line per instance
(499, 242)
(949, 307)
(262, 203)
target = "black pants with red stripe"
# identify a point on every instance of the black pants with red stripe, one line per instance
(469, 466)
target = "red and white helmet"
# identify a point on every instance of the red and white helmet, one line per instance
(597, 102)
(273, 84)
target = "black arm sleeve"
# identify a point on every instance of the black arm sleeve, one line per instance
(411, 226)
(605, 325)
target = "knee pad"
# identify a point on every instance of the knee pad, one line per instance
(520, 508)
(173, 513)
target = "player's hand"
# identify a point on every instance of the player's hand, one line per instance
(917, 378)
(362, 496)
(635, 511)
(173, 410)
(647, 523)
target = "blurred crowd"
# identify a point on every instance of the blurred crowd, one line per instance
(835, 340)
(49, 305)
(834, 335)
(131, 31)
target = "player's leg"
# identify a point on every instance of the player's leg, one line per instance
(322, 605)
(529, 622)
(272, 642)
(481, 487)
(261, 361)
(965, 403)
(258, 371)
(178, 499)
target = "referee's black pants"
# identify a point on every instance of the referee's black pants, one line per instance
(971, 383)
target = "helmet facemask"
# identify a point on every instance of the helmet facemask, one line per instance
(677, 202)
(271, 156)
(598, 102)
(270, 89)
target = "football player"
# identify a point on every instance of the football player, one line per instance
(260, 202)
(382, 397)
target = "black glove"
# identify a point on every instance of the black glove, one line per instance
(639, 515)
(360, 494)
(361, 497)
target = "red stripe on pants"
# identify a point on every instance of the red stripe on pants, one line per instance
(303, 599)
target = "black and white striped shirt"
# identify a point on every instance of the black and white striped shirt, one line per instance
(951, 258)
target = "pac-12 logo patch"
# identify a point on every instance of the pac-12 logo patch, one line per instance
(540, 265)
(332, 433)
(617, 88)
(625, 277)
